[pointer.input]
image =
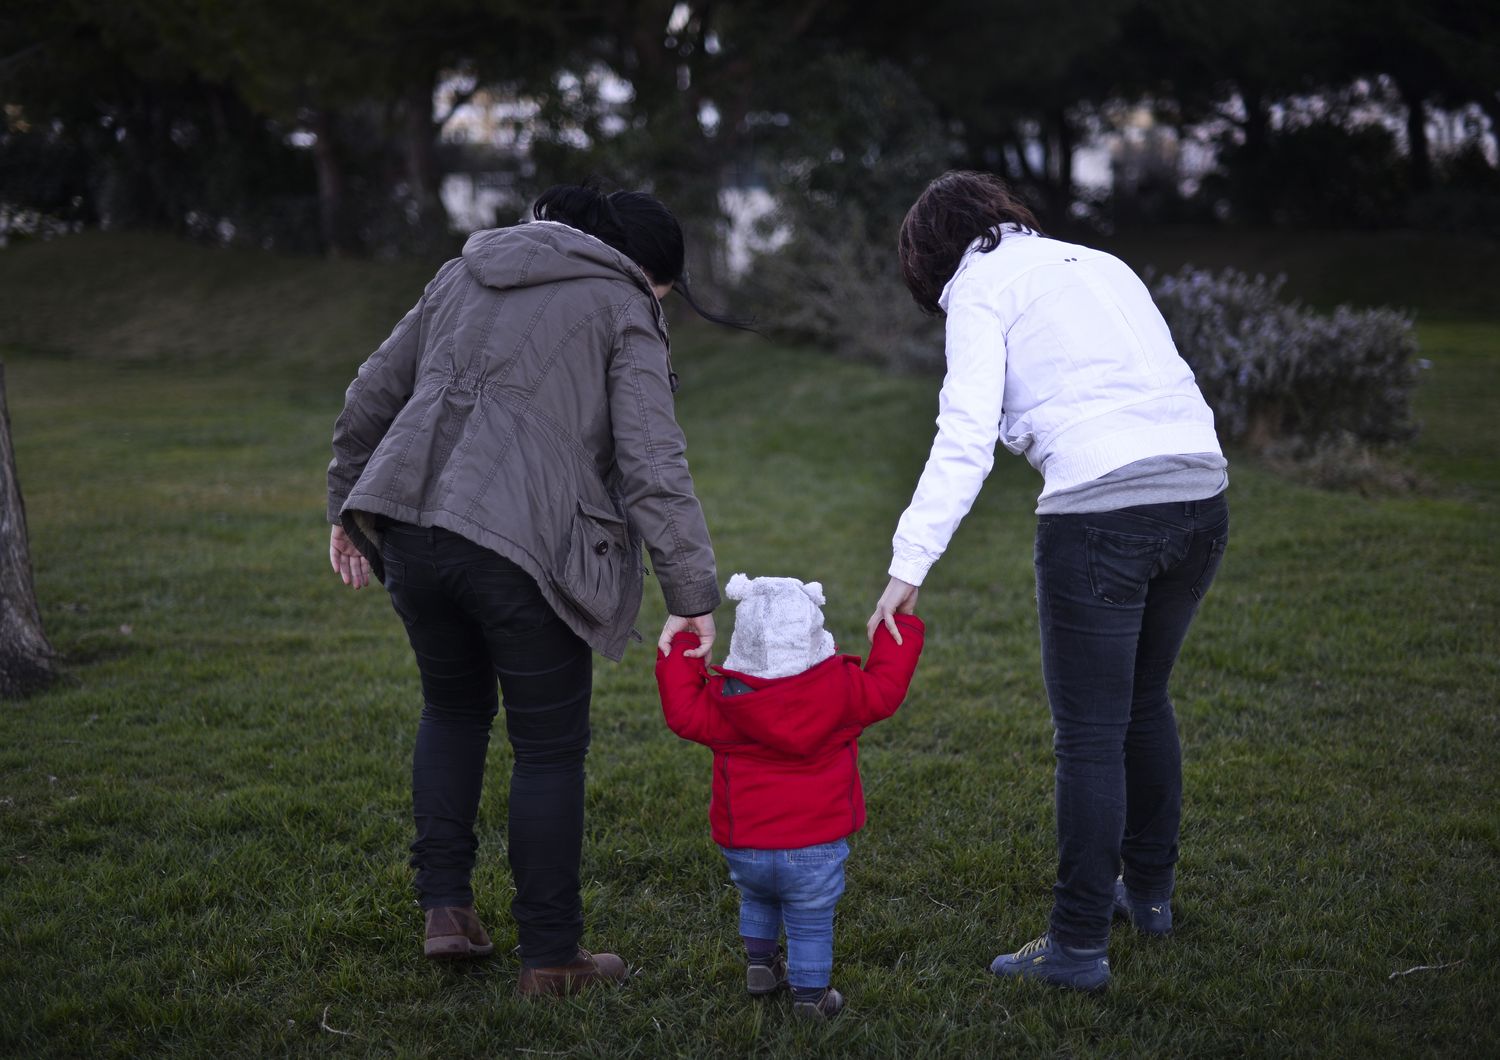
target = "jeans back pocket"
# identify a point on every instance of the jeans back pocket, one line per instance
(1121, 564)
(396, 585)
(1211, 565)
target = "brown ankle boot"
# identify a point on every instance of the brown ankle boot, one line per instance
(454, 932)
(584, 971)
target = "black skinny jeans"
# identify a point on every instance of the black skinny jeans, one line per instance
(1116, 594)
(472, 617)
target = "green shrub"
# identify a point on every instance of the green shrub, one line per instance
(836, 287)
(1281, 377)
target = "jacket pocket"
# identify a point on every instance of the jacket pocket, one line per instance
(592, 562)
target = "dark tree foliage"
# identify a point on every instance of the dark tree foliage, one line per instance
(298, 125)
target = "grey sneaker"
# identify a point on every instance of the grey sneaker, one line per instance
(763, 979)
(1051, 962)
(1150, 917)
(828, 1005)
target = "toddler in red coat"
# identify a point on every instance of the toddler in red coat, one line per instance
(783, 715)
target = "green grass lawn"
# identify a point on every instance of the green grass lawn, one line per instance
(203, 827)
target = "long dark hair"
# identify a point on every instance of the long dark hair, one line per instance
(637, 225)
(954, 210)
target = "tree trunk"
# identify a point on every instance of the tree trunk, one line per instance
(1061, 163)
(25, 656)
(1257, 130)
(330, 186)
(1417, 147)
(422, 175)
(1021, 170)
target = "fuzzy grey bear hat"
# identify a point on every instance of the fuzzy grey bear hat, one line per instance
(778, 626)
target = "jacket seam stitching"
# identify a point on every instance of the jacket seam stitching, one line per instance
(411, 438)
(853, 780)
(461, 443)
(523, 410)
(728, 808)
(628, 348)
(481, 389)
(361, 384)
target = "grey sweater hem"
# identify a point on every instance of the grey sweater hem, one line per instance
(1155, 480)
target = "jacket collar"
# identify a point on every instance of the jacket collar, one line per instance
(1008, 229)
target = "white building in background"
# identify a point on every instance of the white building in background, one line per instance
(493, 133)
(746, 232)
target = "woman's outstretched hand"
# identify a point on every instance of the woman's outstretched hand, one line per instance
(899, 598)
(348, 564)
(701, 625)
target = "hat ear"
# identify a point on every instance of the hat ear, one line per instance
(814, 591)
(738, 587)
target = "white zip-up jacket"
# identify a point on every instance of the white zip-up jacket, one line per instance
(1057, 351)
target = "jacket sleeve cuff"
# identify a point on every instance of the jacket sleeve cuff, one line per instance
(910, 569)
(691, 601)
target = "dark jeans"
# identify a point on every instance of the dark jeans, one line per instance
(473, 617)
(1116, 593)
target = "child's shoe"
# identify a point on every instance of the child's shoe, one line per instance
(1149, 917)
(820, 1007)
(1052, 962)
(765, 977)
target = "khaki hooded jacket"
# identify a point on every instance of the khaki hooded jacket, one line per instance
(524, 404)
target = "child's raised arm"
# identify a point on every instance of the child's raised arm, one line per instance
(689, 710)
(888, 671)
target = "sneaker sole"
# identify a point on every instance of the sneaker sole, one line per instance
(763, 985)
(808, 1010)
(566, 986)
(1056, 984)
(1063, 984)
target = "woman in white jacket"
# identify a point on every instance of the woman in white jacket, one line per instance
(1057, 351)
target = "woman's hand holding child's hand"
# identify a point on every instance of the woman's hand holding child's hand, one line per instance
(899, 598)
(702, 626)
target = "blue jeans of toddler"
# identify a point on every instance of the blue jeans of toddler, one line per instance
(796, 889)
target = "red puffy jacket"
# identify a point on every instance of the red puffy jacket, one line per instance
(786, 764)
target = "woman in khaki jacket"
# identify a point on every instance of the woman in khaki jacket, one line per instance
(499, 463)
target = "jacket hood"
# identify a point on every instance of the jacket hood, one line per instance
(540, 252)
(793, 715)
